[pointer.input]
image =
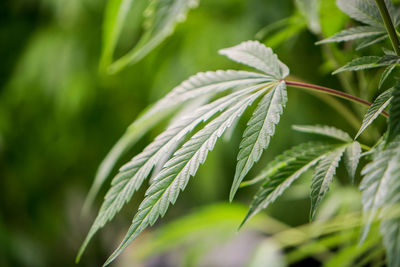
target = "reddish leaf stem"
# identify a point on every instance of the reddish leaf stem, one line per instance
(333, 92)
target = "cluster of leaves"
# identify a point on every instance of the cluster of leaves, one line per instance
(225, 97)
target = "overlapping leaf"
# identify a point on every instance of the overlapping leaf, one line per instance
(352, 157)
(176, 172)
(361, 63)
(324, 130)
(323, 176)
(364, 11)
(283, 171)
(174, 175)
(394, 114)
(258, 133)
(201, 84)
(380, 103)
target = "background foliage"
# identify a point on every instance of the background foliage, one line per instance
(60, 113)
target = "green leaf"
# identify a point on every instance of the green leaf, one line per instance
(201, 84)
(382, 189)
(387, 60)
(380, 103)
(325, 131)
(115, 15)
(176, 172)
(351, 158)
(310, 10)
(376, 182)
(355, 33)
(133, 173)
(371, 41)
(260, 129)
(386, 73)
(364, 11)
(394, 114)
(361, 63)
(256, 55)
(283, 171)
(162, 18)
(323, 176)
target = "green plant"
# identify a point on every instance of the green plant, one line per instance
(225, 95)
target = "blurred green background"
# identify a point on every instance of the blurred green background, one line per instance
(59, 115)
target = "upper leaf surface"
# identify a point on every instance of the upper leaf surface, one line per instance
(258, 56)
(257, 135)
(351, 158)
(283, 171)
(364, 11)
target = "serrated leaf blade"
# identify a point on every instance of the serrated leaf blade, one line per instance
(258, 56)
(380, 103)
(352, 157)
(176, 172)
(324, 130)
(256, 137)
(323, 176)
(361, 63)
(283, 171)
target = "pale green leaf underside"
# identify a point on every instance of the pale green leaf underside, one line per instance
(201, 84)
(260, 129)
(352, 157)
(323, 177)
(162, 18)
(176, 172)
(380, 103)
(283, 171)
(324, 130)
(256, 55)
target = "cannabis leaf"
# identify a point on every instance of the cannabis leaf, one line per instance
(176, 172)
(133, 173)
(354, 33)
(380, 103)
(257, 135)
(244, 88)
(325, 131)
(352, 156)
(283, 171)
(323, 176)
(256, 55)
(394, 114)
(160, 22)
(364, 11)
(381, 194)
(361, 63)
(201, 84)
(386, 73)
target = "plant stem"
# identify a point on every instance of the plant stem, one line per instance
(387, 20)
(333, 92)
